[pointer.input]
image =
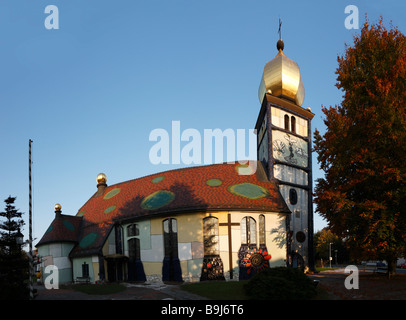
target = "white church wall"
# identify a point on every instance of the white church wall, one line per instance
(190, 242)
(185, 251)
(55, 249)
(57, 254)
(289, 174)
(156, 253)
(299, 218)
(62, 262)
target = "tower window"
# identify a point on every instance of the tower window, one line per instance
(292, 196)
(286, 122)
(293, 124)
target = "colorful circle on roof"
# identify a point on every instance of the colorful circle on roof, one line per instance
(81, 213)
(68, 225)
(214, 182)
(157, 200)
(112, 193)
(88, 240)
(245, 169)
(158, 179)
(248, 190)
(110, 209)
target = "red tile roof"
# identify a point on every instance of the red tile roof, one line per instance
(204, 188)
(64, 228)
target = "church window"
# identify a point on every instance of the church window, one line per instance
(211, 236)
(134, 248)
(293, 124)
(85, 270)
(132, 230)
(119, 239)
(170, 238)
(292, 196)
(286, 122)
(248, 231)
(261, 229)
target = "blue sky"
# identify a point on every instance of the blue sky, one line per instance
(90, 93)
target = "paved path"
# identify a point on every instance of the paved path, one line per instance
(148, 291)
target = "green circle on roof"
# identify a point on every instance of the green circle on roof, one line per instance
(112, 193)
(88, 240)
(157, 200)
(68, 225)
(81, 213)
(49, 229)
(158, 179)
(109, 209)
(214, 182)
(248, 190)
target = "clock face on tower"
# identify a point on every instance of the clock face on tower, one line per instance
(289, 149)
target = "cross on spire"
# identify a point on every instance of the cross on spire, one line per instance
(280, 28)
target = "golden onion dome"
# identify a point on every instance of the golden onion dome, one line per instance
(101, 178)
(281, 78)
(58, 207)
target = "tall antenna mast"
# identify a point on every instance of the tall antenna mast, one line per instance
(31, 266)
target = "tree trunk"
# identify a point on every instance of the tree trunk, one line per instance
(391, 266)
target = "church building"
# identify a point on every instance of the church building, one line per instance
(214, 222)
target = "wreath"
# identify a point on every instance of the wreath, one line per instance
(257, 260)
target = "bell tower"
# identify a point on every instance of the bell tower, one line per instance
(284, 148)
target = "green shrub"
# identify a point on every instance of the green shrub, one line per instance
(280, 283)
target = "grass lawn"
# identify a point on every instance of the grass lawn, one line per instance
(231, 290)
(99, 289)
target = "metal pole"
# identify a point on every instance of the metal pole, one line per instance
(330, 253)
(30, 273)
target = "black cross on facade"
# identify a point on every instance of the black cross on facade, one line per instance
(230, 246)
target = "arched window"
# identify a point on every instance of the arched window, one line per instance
(134, 248)
(261, 230)
(286, 122)
(119, 239)
(248, 231)
(211, 236)
(132, 230)
(170, 238)
(293, 124)
(171, 269)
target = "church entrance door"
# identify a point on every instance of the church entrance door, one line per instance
(115, 267)
(171, 270)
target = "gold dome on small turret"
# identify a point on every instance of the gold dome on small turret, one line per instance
(101, 178)
(58, 207)
(281, 78)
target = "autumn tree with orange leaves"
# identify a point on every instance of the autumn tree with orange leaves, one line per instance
(363, 151)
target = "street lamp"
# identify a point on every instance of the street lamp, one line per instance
(19, 238)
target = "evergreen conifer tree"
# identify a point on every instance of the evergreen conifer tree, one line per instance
(13, 262)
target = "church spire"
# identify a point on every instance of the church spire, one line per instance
(281, 76)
